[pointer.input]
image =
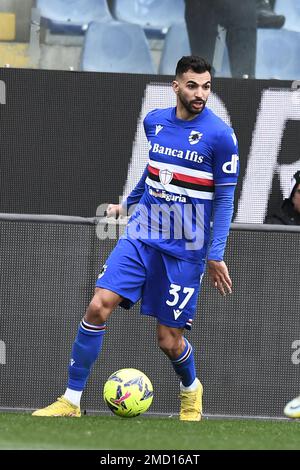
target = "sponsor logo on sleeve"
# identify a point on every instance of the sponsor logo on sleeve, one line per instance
(231, 166)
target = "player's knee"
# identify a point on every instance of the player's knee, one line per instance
(170, 345)
(99, 309)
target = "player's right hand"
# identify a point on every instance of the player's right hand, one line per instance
(114, 210)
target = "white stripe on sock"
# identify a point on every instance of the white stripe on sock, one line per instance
(190, 388)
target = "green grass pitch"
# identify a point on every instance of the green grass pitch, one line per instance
(22, 431)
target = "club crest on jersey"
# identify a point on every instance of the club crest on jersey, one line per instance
(194, 137)
(165, 176)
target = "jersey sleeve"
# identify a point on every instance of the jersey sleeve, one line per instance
(225, 172)
(226, 159)
(137, 192)
(148, 120)
(222, 215)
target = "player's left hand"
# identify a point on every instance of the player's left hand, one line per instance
(114, 210)
(219, 276)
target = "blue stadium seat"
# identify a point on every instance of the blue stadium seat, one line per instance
(176, 45)
(291, 10)
(154, 16)
(116, 47)
(72, 16)
(278, 54)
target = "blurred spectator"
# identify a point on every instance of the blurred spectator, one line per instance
(238, 17)
(266, 17)
(289, 213)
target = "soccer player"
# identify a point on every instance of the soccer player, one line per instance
(189, 181)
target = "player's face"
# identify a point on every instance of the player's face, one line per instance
(296, 199)
(192, 90)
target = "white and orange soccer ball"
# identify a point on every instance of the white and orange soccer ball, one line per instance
(128, 393)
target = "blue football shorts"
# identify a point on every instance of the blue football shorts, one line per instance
(168, 287)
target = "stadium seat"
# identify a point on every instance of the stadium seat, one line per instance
(176, 45)
(116, 47)
(72, 16)
(291, 10)
(223, 68)
(278, 54)
(154, 16)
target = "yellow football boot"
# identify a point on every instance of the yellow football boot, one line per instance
(61, 407)
(191, 404)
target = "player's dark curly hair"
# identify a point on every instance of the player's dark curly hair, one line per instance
(192, 62)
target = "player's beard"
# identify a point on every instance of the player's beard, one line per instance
(188, 105)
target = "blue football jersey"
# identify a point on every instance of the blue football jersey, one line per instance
(187, 161)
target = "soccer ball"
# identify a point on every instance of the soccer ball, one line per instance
(128, 393)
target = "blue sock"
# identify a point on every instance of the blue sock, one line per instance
(184, 365)
(86, 349)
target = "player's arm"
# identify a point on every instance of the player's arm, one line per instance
(222, 215)
(115, 210)
(226, 169)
